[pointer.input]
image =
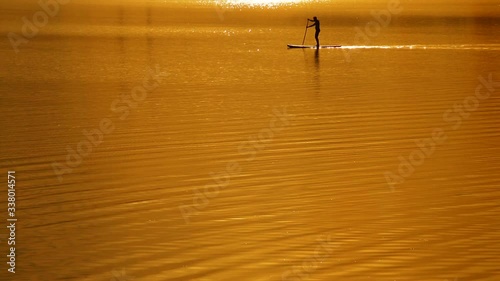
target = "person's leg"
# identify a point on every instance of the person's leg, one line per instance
(317, 39)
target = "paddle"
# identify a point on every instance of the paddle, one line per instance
(305, 33)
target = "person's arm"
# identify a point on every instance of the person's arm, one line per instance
(311, 25)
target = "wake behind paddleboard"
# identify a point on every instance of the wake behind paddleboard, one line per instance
(291, 46)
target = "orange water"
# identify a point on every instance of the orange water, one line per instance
(308, 136)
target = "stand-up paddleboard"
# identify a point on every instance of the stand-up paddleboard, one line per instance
(291, 46)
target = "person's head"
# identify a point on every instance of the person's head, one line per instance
(315, 18)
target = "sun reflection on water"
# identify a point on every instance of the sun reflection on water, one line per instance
(263, 3)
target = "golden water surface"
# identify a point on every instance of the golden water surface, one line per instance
(183, 141)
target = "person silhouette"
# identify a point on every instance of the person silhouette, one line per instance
(315, 24)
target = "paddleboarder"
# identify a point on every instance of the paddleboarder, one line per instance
(315, 24)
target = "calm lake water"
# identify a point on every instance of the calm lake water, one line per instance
(243, 160)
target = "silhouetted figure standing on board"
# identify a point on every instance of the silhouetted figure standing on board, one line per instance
(315, 24)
